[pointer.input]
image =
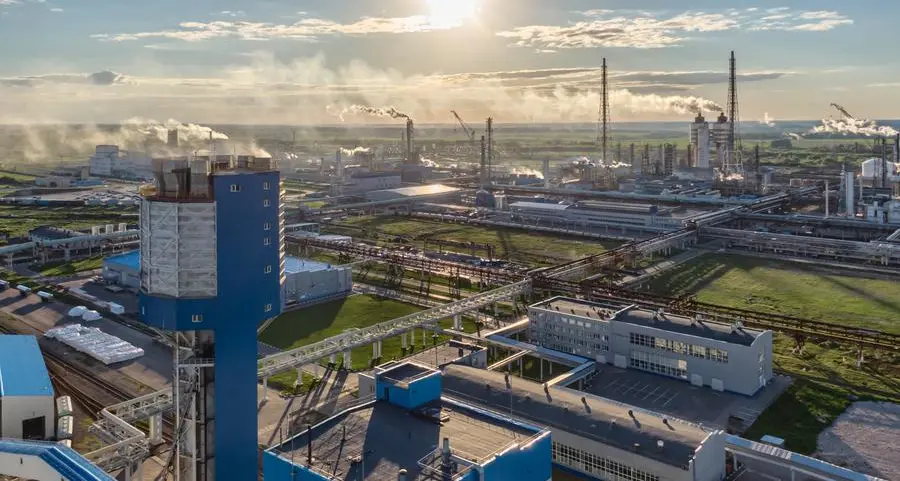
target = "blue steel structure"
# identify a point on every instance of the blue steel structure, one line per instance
(405, 388)
(248, 277)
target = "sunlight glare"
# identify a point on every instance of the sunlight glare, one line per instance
(451, 13)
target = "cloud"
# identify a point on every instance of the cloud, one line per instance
(308, 29)
(608, 28)
(307, 92)
(56, 10)
(9, 2)
(102, 78)
(232, 13)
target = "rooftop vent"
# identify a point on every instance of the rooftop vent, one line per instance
(401, 475)
(666, 421)
(630, 413)
(636, 447)
(660, 444)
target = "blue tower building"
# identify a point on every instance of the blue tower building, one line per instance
(211, 271)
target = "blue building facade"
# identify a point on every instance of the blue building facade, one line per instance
(227, 241)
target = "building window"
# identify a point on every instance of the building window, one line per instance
(267, 241)
(235, 188)
(197, 318)
(265, 186)
(266, 203)
(268, 269)
(591, 463)
(267, 226)
(268, 307)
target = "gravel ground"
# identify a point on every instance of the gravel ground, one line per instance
(865, 438)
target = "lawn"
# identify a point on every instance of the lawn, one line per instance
(516, 245)
(826, 376)
(315, 323)
(786, 288)
(64, 268)
(18, 220)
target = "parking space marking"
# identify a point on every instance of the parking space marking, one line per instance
(652, 392)
(675, 395)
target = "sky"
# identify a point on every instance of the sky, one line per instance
(306, 62)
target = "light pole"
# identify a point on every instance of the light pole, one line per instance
(434, 339)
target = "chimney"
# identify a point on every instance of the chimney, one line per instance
(445, 452)
(546, 172)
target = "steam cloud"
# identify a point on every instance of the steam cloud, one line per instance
(853, 126)
(354, 151)
(527, 171)
(376, 111)
(767, 121)
(147, 135)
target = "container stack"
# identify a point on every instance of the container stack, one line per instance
(101, 346)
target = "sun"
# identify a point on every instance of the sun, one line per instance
(451, 13)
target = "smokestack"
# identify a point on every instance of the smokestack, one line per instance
(490, 148)
(445, 452)
(410, 155)
(827, 200)
(546, 172)
(339, 165)
(849, 198)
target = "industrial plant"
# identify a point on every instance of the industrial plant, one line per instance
(415, 309)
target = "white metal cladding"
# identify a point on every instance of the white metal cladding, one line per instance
(178, 248)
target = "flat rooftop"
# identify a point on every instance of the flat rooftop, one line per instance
(388, 438)
(600, 419)
(22, 368)
(131, 260)
(645, 317)
(430, 189)
(405, 372)
(294, 265)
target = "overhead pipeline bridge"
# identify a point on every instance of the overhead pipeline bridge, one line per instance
(365, 336)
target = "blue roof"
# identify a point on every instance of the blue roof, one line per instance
(22, 368)
(131, 260)
(293, 265)
(65, 461)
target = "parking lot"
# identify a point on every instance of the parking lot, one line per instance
(681, 399)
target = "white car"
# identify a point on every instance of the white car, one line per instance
(90, 316)
(77, 311)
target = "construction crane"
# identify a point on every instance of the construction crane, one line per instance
(843, 111)
(470, 133)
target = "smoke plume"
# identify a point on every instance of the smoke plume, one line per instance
(853, 126)
(376, 111)
(527, 171)
(354, 151)
(767, 121)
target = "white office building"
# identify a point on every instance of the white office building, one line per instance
(725, 358)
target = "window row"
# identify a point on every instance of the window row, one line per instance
(237, 187)
(604, 467)
(197, 318)
(659, 364)
(678, 347)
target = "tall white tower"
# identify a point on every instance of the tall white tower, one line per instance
(700, 142)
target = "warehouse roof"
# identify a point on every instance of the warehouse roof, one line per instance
(415, 191)
(131, 260)
(294, 265)
(539, 205)
(389, 438)
(603, 420)
(22, 368)
(647, 318)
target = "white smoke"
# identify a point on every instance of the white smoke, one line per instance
(362, 109)
(527, 171)
(428, 162)
(587, 161)
(853, 126)
(767, 121)
(793, 136)
(355, 150)
(188, 133)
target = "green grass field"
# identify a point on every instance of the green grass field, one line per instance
(305, 326)
(18, 220)
(825, 373)
(787, 288)
(68, 268)
(513, 244)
